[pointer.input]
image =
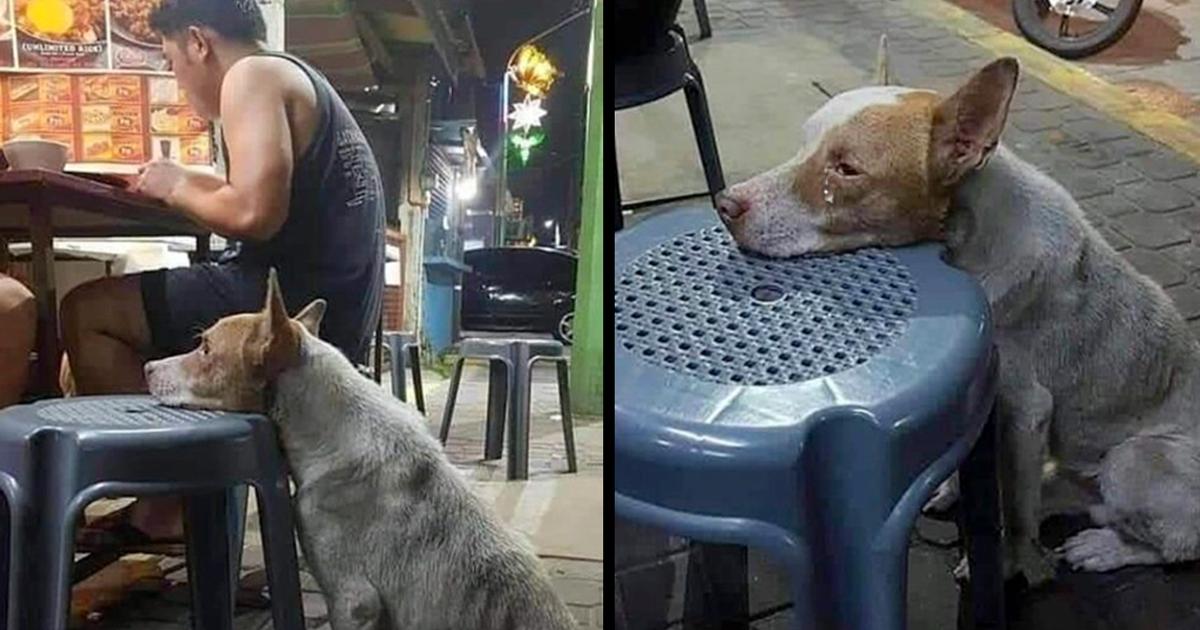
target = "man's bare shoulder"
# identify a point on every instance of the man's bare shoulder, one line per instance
(260, 72)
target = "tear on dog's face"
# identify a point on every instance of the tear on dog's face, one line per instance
(877, 166)
(237, 358)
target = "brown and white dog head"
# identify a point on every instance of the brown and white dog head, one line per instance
(877, 166)
(237, 357)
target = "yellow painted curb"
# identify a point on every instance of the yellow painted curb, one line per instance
(1066, 77)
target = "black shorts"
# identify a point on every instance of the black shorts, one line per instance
(181, 303)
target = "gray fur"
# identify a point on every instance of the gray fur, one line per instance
(1098, 371)
(395, 536)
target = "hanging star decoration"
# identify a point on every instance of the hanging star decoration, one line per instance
(533, 73)
(527, 114)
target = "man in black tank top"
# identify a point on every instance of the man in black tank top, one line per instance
(302, 194)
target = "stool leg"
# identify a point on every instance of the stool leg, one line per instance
(498, 386)
(564, 404)
(45, 579)
(398, 388)
(414, 364)
(209, 559)
(279, 551)
(518, 425)
(702, 125)
(448, 412)
(981, 526)
(702, 17)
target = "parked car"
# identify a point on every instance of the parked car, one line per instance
(530, 289)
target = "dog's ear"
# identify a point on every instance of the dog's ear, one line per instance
(882, 75)
(280, 341)
(967, 125)
(275, 308)
(310, 316)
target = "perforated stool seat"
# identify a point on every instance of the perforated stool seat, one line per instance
(57, 456)
(510, 374)
(808, 407)
(405, 352)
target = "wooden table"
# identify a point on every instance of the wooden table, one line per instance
(40, 205)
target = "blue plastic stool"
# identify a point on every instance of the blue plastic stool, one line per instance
(510, 377)
(57, 456)
(808, 407)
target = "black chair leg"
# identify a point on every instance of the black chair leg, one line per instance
(980, 514)
(706, 138)
(702, 17)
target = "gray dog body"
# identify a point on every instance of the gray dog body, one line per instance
(395, 536)
(1098, 370)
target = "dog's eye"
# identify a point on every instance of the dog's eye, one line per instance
(846, 170)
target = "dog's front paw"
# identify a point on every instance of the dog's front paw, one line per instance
(1103, 549)
(944, 497)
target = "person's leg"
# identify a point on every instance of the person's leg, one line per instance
(18, 320)
(107, 339)
(106, 336)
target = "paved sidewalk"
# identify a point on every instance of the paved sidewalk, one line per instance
(562, 514)
(759, 69)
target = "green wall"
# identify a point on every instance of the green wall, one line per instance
(587, 369)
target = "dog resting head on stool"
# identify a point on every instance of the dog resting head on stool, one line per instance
(1099, 373)
(394, 535)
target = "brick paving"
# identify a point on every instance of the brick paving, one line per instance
(1143, 197)
(578, 580)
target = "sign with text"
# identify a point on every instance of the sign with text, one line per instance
(80, 35)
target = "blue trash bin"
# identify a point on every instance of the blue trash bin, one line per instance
(807, 407)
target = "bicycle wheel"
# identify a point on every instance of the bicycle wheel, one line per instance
(1075, 28)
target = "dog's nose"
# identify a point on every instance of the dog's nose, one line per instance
(729, 208)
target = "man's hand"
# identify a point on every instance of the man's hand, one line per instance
(158, 179)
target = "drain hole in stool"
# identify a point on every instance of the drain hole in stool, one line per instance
(767, 293)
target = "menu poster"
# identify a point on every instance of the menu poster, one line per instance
(80, 34)
(106, 119)
(6, 35)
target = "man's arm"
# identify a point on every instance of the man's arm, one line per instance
(253, 204)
